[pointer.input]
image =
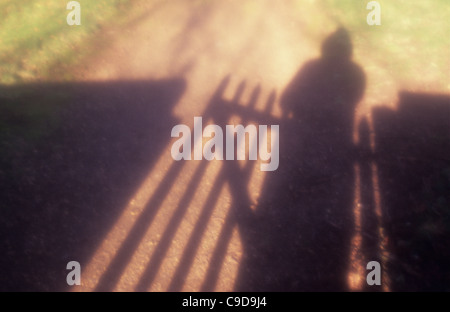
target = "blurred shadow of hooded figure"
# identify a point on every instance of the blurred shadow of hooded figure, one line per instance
(323, 95)
(319, 107)
(303, 238)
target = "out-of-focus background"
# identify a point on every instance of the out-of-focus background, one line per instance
(86, 172)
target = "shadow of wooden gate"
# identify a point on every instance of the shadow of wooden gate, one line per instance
(109, 268)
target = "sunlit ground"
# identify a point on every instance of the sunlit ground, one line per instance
(263, 44)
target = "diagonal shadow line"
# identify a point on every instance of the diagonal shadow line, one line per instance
(124, 254)
(158, 255)
(238, 189)
(150, 273)
(193, 244)
(170, 231)
(219, 253)
(240, 213)
(195, 239)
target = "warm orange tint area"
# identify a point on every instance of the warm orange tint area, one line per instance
(244, 66)
(362, 175)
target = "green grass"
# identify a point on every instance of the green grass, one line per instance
(35, 37)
